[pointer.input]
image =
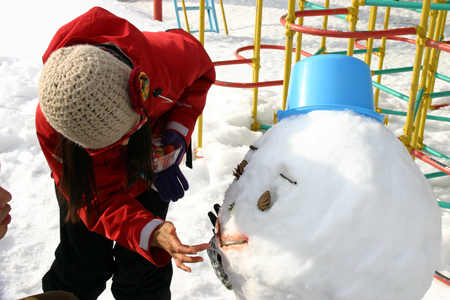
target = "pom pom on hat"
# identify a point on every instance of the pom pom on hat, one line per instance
(84, 95)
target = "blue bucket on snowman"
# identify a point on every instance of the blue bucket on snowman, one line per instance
(330, 82)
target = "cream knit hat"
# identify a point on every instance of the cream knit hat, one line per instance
(84, 95)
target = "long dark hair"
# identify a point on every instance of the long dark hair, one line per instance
(78, 181)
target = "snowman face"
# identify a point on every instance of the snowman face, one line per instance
(237, 241)
(265, 176)
(321, 208)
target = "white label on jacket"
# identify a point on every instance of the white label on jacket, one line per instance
(178, 127)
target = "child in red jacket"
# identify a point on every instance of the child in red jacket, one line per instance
(105, 88)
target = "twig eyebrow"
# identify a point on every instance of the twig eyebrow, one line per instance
(291, 181)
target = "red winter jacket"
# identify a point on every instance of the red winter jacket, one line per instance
(176, 63)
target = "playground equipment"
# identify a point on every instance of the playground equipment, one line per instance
(207, 5)
(429, 43)
(213, 24)
(425, 66)
(157, 10)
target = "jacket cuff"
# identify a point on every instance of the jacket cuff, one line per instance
(180, 128)
(147, 231)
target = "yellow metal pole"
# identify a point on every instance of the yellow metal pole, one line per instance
(369, 43)
(185, 16)
(437, 22)
(439, 33)
(435, 54)
(202, 40)
(421, 31)
(223, 16)
(426, 58)
(381, 54)
(324, 26)
(256, 62)
(421, 113)
(352, 18)
(201, 30)
(298, 48)
(290, 18)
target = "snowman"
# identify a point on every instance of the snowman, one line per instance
(328, 204)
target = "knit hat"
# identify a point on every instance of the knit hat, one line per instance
(84, 95)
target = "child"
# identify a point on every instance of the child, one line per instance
(105, 88)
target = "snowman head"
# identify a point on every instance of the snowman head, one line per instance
(329, 205)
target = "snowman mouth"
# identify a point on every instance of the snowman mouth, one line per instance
(230, 240)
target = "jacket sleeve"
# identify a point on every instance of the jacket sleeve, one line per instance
(191, 74)
(120, 216)
(123, 219)
(184, 114)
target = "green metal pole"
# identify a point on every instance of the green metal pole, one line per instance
(392, 71)
(320, 51)
(265, 127)
(442, 77)
(439, 94)
(390, 91)
(318, 7)
(401, 113)
(444, 204)
(435, 175)
(414, 5)
(360, 51)
(434, 152)
(418, 101)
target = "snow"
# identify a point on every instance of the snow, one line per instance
(26, 252)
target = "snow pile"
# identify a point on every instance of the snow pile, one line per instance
(351, 216)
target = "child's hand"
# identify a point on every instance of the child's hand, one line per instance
(166, 238)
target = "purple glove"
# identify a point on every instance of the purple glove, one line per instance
(171, 183)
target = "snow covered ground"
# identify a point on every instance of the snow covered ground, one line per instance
(26, 29)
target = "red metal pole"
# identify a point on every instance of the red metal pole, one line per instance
(344, 34)
(438, 165)
(157, 10)
(439, 106)
(249, 85)
(438, 45)
(442, 278)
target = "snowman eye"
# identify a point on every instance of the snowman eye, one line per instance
(240, 169)
(264, 201)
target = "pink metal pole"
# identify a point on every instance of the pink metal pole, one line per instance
(157, 10)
